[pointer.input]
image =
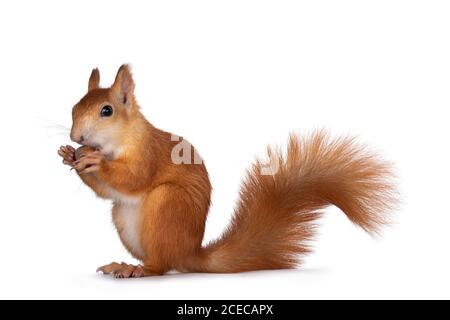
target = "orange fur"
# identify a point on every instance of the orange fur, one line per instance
(274, 220)
(167, 204)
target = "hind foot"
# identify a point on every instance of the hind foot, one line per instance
(122, 270)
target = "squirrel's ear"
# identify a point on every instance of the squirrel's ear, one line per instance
(94, 80)
(123, 86)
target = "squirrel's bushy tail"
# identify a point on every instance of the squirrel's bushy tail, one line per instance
(274, 219)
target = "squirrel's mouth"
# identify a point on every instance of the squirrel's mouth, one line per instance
(92, 145)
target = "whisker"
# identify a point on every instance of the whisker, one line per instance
(53, 124)
(56, 127)
(58, 134)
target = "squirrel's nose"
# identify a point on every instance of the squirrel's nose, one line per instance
(76, 139)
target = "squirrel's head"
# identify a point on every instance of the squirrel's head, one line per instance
(100, 117)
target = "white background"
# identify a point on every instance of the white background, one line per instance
(231, 76)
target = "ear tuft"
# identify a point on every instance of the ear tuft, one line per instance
(94, 80)
(124, 85)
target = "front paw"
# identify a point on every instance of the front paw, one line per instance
(91, 162)
(83, 151)
(68, 155)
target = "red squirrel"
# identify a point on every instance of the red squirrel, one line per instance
(160, 205)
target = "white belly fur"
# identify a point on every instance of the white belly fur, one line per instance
(126, 219)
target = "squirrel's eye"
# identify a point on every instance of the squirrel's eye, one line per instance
(107, 111)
